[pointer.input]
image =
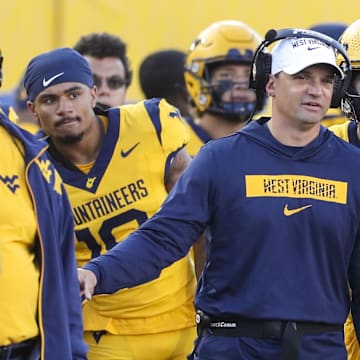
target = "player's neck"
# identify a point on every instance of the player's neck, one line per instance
(217, 127)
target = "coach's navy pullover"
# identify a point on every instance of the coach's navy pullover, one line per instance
(282, 227)
(59, 308)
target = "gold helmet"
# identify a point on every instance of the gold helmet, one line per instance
(226, 41)
(350, 39)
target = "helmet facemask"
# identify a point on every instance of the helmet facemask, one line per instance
(224, 42)
(350, 104)
(233, 110)
(350, 39)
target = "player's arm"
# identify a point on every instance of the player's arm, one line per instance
(177, 165)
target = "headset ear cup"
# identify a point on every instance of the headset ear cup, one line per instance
(261, 64)
(335, 100)
(340, 87)
(262, 71)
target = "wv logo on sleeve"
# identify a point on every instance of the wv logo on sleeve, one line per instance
(49, 173)
(10, 182)
(175, 114)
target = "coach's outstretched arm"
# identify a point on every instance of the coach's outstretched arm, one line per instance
(160, 241)
(140, 258)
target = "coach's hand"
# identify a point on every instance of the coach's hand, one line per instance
(88, 281)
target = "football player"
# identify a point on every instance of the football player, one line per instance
(161, 75)
(118, 166)
(217, 74)
(106, 54)
(217, 70)
(40, 304)
(350, 131)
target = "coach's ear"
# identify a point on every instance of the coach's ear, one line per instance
(270, 86)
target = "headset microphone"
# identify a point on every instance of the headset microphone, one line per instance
(270, 35)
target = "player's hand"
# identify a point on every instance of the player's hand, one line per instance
(88, 281)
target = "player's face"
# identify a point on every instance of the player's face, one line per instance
(303, 98)
(65, 111)
(238, 75)
(110, 79)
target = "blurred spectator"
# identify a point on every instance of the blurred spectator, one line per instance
(106, 54)
(161, 75)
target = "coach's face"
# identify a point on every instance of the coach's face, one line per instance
(65, 110)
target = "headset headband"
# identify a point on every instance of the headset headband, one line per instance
(276, 35)
(261, 64)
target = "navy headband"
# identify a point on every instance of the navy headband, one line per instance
(56, 67)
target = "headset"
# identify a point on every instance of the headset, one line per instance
(261, 64)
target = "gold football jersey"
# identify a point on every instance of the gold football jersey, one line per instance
(348, 132)
(197, 137)
(124, 187)
(334, 117)
(19, 275)
(341, 130)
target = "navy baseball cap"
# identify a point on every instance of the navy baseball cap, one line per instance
(56, 67)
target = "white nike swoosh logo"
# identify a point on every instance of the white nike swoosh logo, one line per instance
(289, 212)
(47, 82)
